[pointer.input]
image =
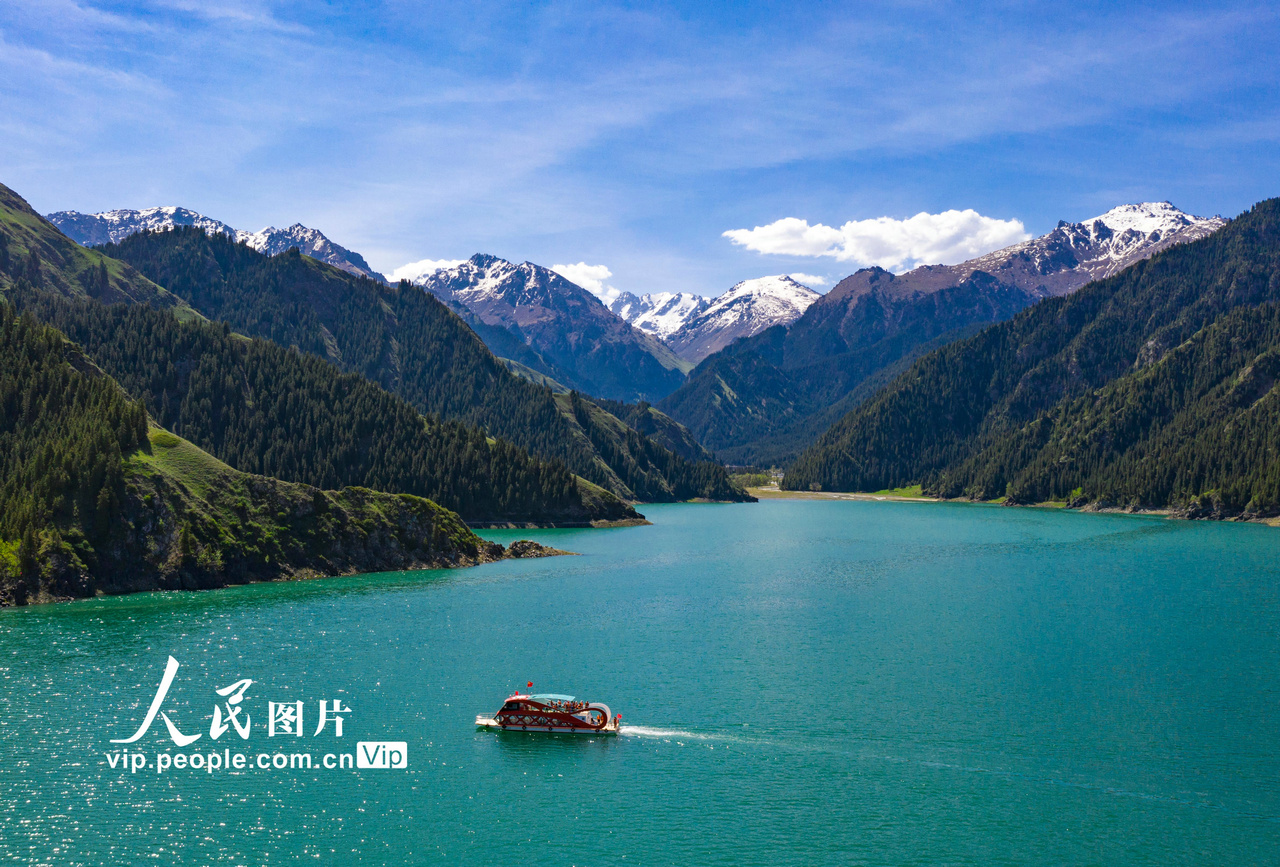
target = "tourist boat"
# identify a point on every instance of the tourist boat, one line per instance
(550, 712)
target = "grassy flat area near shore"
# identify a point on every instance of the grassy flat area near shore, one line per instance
(773, 492)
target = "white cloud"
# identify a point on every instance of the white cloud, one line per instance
(898, 245)
(591, 278)
(809, 280)
(415, 271)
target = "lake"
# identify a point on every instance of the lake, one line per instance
(801, 682)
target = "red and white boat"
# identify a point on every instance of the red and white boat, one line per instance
(551, 712)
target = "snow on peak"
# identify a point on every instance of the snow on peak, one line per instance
(484, 280)
(1145, 218)
(755, 305)
(1124, 234)
(481, 276)
(1074, 254)
(780, 287)
(661, 314)
(695, 326)
(115, 226)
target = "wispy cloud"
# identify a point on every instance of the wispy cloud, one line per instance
(610, 133)
(252, 15)
(810, 280)
(898, 245)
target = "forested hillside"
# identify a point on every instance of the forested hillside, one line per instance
(765, 398)
(92, 499)
(658, 426)
(1152, 388)
(399, 337)
(269, 410)
(653, 472)
(35, 253)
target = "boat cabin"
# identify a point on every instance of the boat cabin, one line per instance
(544, 701)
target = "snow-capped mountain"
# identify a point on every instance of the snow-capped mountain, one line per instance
(760, 399)
(313, 243)
(1057, 263)
(112, 227)
(115, 226)
(597, 351)
(696, 326)
(745, 310)
(1074, 254)
(416, 272)
(992, 286)
(661, 314)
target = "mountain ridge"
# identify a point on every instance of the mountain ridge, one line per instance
(751, 403)
(96, 499)
(1152, 388)
(1063, 259)
(659, 313)
(112, 227)
(408, 342)
(593, 349)
(695, 326)
(266, 410)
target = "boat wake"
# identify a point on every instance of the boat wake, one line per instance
(670, 734)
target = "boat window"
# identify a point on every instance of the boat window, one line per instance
(511, 705)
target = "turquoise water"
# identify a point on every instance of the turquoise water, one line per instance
(800, 683)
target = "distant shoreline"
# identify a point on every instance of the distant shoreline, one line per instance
(772, 492)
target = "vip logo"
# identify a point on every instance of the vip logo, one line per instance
(382, 754)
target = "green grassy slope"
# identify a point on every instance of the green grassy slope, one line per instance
(33, 251)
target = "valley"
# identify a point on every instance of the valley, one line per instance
(507, 395)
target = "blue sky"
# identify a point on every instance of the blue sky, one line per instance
(633, 136)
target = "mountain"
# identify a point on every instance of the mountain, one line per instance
(1153, 388)
(403, 339)
(265, 409)
(661, 314)
(311, 242)
(744, 311)
(765, 400)
(112, 227)
(34, 253)
(510, 347)
(591, 348)
(93, 499)
(694, 326)
(642, 463)
(1074, 254)
(657, 426)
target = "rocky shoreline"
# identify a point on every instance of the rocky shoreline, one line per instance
(486, 552)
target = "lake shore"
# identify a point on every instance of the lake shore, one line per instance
(773, 492)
